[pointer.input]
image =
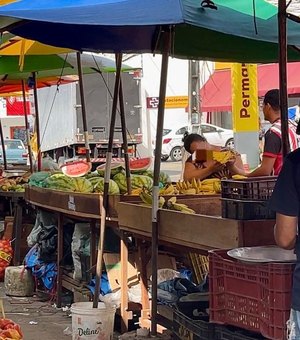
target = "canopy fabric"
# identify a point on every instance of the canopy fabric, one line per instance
(19, 46)
(216, 93)
(228, 33)
(55, 65)
(14, 88)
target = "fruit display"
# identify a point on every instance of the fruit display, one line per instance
(13, 184)
(170, 204)
(209, 186)
(98, 186)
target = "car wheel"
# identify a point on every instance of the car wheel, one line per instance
(164, 158)
(176, 154)
(230, 143)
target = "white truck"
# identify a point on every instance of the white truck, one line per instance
(61, 130)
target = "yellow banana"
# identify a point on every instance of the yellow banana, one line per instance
(217, 187)
(146, 197)
(136, 192)
(210, 180)
(238, 177)
(183, 208)
(172, 200)
(161, 202)
(169, 190)
(190, 191)
(194, 183)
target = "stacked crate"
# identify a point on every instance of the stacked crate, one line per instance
(247, 199)
(252, 296)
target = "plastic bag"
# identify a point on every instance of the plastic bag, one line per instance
(80, 246)
(6, 253)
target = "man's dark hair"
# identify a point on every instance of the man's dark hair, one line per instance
(272, 98)
(189, 139)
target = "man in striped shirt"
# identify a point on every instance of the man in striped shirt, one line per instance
(272, 161)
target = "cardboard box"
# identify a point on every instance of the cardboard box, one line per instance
(112, 263)
(163, 261)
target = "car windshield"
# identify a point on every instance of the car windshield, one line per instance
(166, 131)
(13, 144)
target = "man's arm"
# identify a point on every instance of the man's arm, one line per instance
(265, 168)
(285, 231)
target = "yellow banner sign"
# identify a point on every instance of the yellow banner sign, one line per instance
(176, 102)
(244, 97)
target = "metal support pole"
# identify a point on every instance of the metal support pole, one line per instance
(27, 126)
(155, 192)
(124, 135)
(37, 123)
(283, 76)
(83, 109)
(104, 204)
(3, 146)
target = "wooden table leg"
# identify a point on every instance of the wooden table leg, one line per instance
(124, 285)
(59, 258)
(93, 255)
(143, 274)
(17, 232)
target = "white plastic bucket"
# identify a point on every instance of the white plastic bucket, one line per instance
(90, 323)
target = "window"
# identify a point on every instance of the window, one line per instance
(166, 131)
(207, 129)
(181, 131)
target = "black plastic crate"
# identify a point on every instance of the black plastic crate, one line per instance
(251, 189)
(234, 333)
(185, 328)
(246, 210)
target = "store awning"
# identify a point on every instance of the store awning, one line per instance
(216, 93)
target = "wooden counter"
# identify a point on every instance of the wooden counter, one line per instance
(195, 231)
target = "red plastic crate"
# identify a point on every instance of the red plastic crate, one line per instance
(255, 297)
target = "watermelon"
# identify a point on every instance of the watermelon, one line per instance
(98, 185)
(76, 169)
(115, 168)
(164, 178)
(82, 185)
(140, 164)
(60, 182)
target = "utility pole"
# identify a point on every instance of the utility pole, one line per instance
(194, 113)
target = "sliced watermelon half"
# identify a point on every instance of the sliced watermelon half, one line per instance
(140, 164)
(115, 167)
(76, 168)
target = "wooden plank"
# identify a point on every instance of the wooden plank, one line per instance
(189, 230)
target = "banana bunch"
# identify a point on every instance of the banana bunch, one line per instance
(211, 185)
(223, 156)
(136, 192)
(189, 188)
(146, 197)
(169, 189)
(173, 205)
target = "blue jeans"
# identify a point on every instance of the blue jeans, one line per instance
(293, 325)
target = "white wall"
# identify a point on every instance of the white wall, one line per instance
(2, 107)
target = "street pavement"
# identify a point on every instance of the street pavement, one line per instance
(173, 169)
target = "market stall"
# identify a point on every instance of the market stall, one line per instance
(158, 36)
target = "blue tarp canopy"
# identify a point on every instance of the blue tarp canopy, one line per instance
(232, 32)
